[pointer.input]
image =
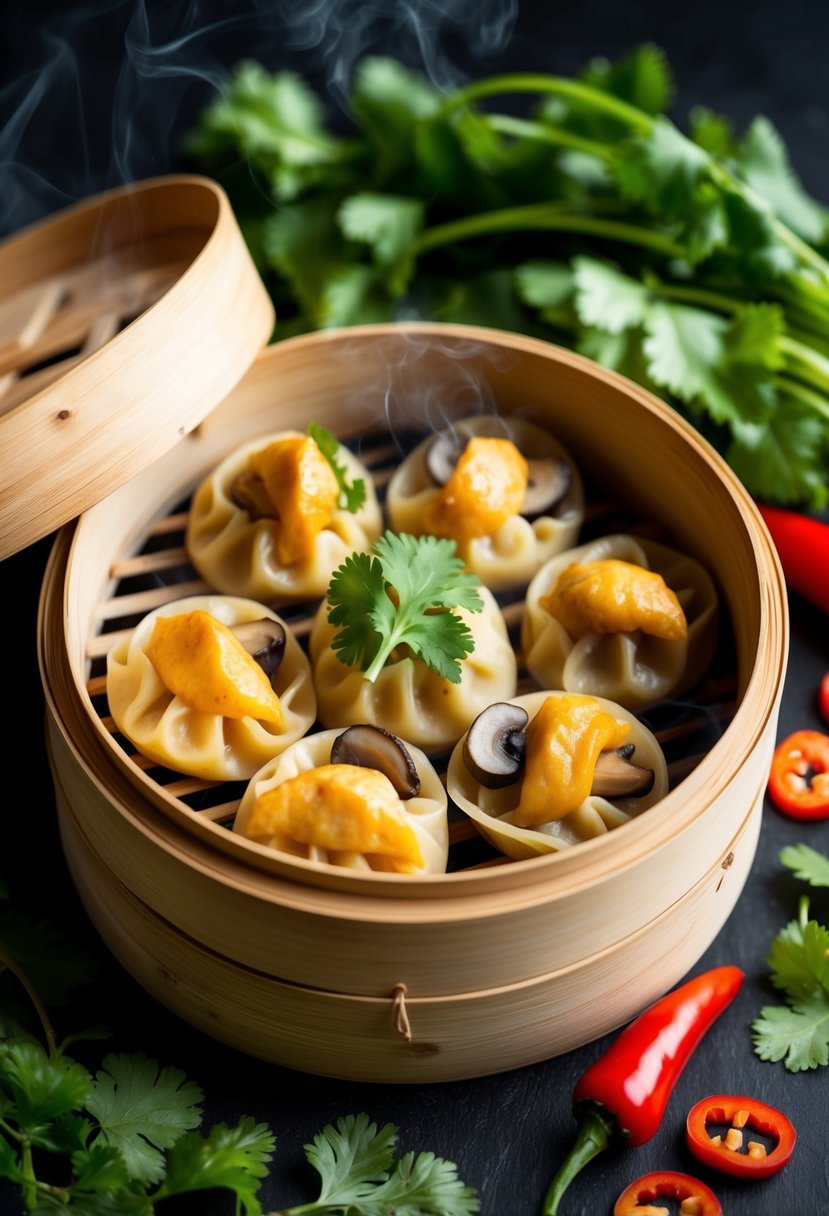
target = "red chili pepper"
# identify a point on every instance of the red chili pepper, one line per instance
(621, 1098)
(799, 779)
(802, 544)
(666, 1184)
(742, 1116)
(823, 698)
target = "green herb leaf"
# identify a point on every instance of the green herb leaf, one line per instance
(141, 1109)
(388, 102)
(799, 959)
(428, 581)
(807, 863)
(606, 298)
(784, 457)
(234, 1159)
(388, 225)
(38, 1088)
(351, 1159)
(763, 163)
(355, 295)
(422, 1185)
(643, 78)
(302, 240)
(352, 493)
(797, 1034)
(100, 1168)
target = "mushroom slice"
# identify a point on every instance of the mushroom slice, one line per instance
(616, 777)
(264, 639)
(373, 747)
(493, 749)
(249, 494)
(548, 482)
(443, 453)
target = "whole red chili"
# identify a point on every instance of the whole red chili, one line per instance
(802, 544)
(799, 778)
(621, 1098)
(667, 1184)
(741, 1116)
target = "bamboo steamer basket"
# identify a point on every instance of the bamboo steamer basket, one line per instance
(497, 963)
(131, 361)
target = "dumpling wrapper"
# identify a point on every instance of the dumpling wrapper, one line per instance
(173, 734)
(425, 814)
(238, 556)
(511, 555)
(594, 817)
(409, 699)
(633, 669)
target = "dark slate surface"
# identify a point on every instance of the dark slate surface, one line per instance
(507, 1132)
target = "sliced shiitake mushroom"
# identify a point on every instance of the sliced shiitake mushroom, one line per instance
(443, 453)
(249, 494)
(493, 752)
(548, 483)
(615, 776)
(264, 639)
(493, 749)
(548, 478)
(374, 747)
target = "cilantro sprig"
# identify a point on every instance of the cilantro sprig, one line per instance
(798, 1032)
(352, 493)
(126, 1137)
(403, 594)
(691, 260)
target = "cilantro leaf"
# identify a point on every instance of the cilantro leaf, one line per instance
(141, 1109)
(234, 1158)
(763, 163)
(422, 1185)
(403, 595)
(277, 123)
(351, 1158)
(807, 863)
(799, 959)
(388, 102)
(784, 457)
(303, 242)
(797, 1034)
(388, 225)
(355, 295)
(608, 299)
(643, 78)
(352, 493)
(100, 1168)
(37, 1087)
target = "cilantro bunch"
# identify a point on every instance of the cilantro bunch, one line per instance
(691, 261)
(798, 1032)
(124, 1139)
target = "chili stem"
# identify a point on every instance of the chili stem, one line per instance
(596, 1132)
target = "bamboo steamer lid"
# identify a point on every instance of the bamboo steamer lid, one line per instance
(124, 320)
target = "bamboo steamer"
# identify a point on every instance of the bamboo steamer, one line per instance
(497, 963)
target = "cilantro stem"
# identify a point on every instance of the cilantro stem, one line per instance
(532, 82)
(805, 395)
(545, 217)
(547, 133)
(48, 1032)
(806, 363)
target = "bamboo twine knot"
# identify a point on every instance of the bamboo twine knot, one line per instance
(401, 1016)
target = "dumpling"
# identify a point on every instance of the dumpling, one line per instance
(407, 697)
(623, 618)
(504, 489)
(533, 783)
(312, 804)
(268, 523)
(188, 690)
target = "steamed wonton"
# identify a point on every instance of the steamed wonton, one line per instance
(510, 554)
(491, 809)
(169, 730)
(407, 697)
(238, 553)
(424, 816)
(633, 668)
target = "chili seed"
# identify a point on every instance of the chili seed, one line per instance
(733, 1139)
(741, 1118)
(756, 1150)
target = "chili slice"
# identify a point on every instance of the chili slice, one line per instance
(743, 1116)
(695, 1198)
(799, 779)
